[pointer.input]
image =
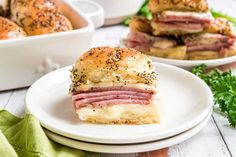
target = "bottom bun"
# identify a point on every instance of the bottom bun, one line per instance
(121, 114)
(206, 55)
(203, 55)
(178, 52)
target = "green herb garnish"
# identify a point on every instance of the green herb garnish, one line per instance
(126, 22)
(143, 11)
(223, 86)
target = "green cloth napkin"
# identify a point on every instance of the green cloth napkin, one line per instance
(24, 137)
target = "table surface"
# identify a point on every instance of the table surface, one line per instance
(216, 139)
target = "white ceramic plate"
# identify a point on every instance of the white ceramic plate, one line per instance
(186, 100)
(188, 64)
(132, 148)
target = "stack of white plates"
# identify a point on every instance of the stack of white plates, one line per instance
(187, 105)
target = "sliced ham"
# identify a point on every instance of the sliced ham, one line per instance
(112, 92)
(142, 41)
(207, 47)
(116, 88)
(187, 17)
(111, 96)
(140, 37)
(208, 42)
(121, 101)
(113, 102)
(140, 46)
(178, 23)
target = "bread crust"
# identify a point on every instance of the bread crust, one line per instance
(39, 16)
(9, 30)
(106, 66)
(140, 24)
(220, 26)
(156, 6)
(203, 55)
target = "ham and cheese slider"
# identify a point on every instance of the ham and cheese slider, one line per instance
(115, 86)
(217, 41)
(10, 30)
(140, 38)
(179, 17)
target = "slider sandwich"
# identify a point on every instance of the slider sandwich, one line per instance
(141, 38)
(217, 41)
(115, 86)
(183, 30)
(179, 17)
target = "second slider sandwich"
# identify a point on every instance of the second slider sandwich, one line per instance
(179, 16)
(115, 86)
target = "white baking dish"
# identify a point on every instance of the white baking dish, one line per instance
(24, 60)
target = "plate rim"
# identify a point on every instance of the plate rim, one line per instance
(149, 146)
(114, 140)
(192, 63)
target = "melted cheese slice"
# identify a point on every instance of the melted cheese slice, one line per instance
(122, 114)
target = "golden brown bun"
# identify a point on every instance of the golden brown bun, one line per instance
(122, 114)
(9, 30)
(203, 55)
(180, 53)
(177, 52)
(106, 66)
(182, 5)
(39, 16)
(221, 26)
(140, 24)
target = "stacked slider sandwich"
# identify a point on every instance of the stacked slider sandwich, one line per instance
(182, 29)
(115, 86)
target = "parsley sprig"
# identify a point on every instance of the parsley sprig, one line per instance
(223, 86)
(143, 11)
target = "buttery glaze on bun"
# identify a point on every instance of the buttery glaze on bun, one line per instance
(115, 86)
(106, 66)
(9, 30)
(39, 16)
(156, 6)
(221, 26)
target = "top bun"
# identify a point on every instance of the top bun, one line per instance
(9, 30)
(106, 66)
(156, 6)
